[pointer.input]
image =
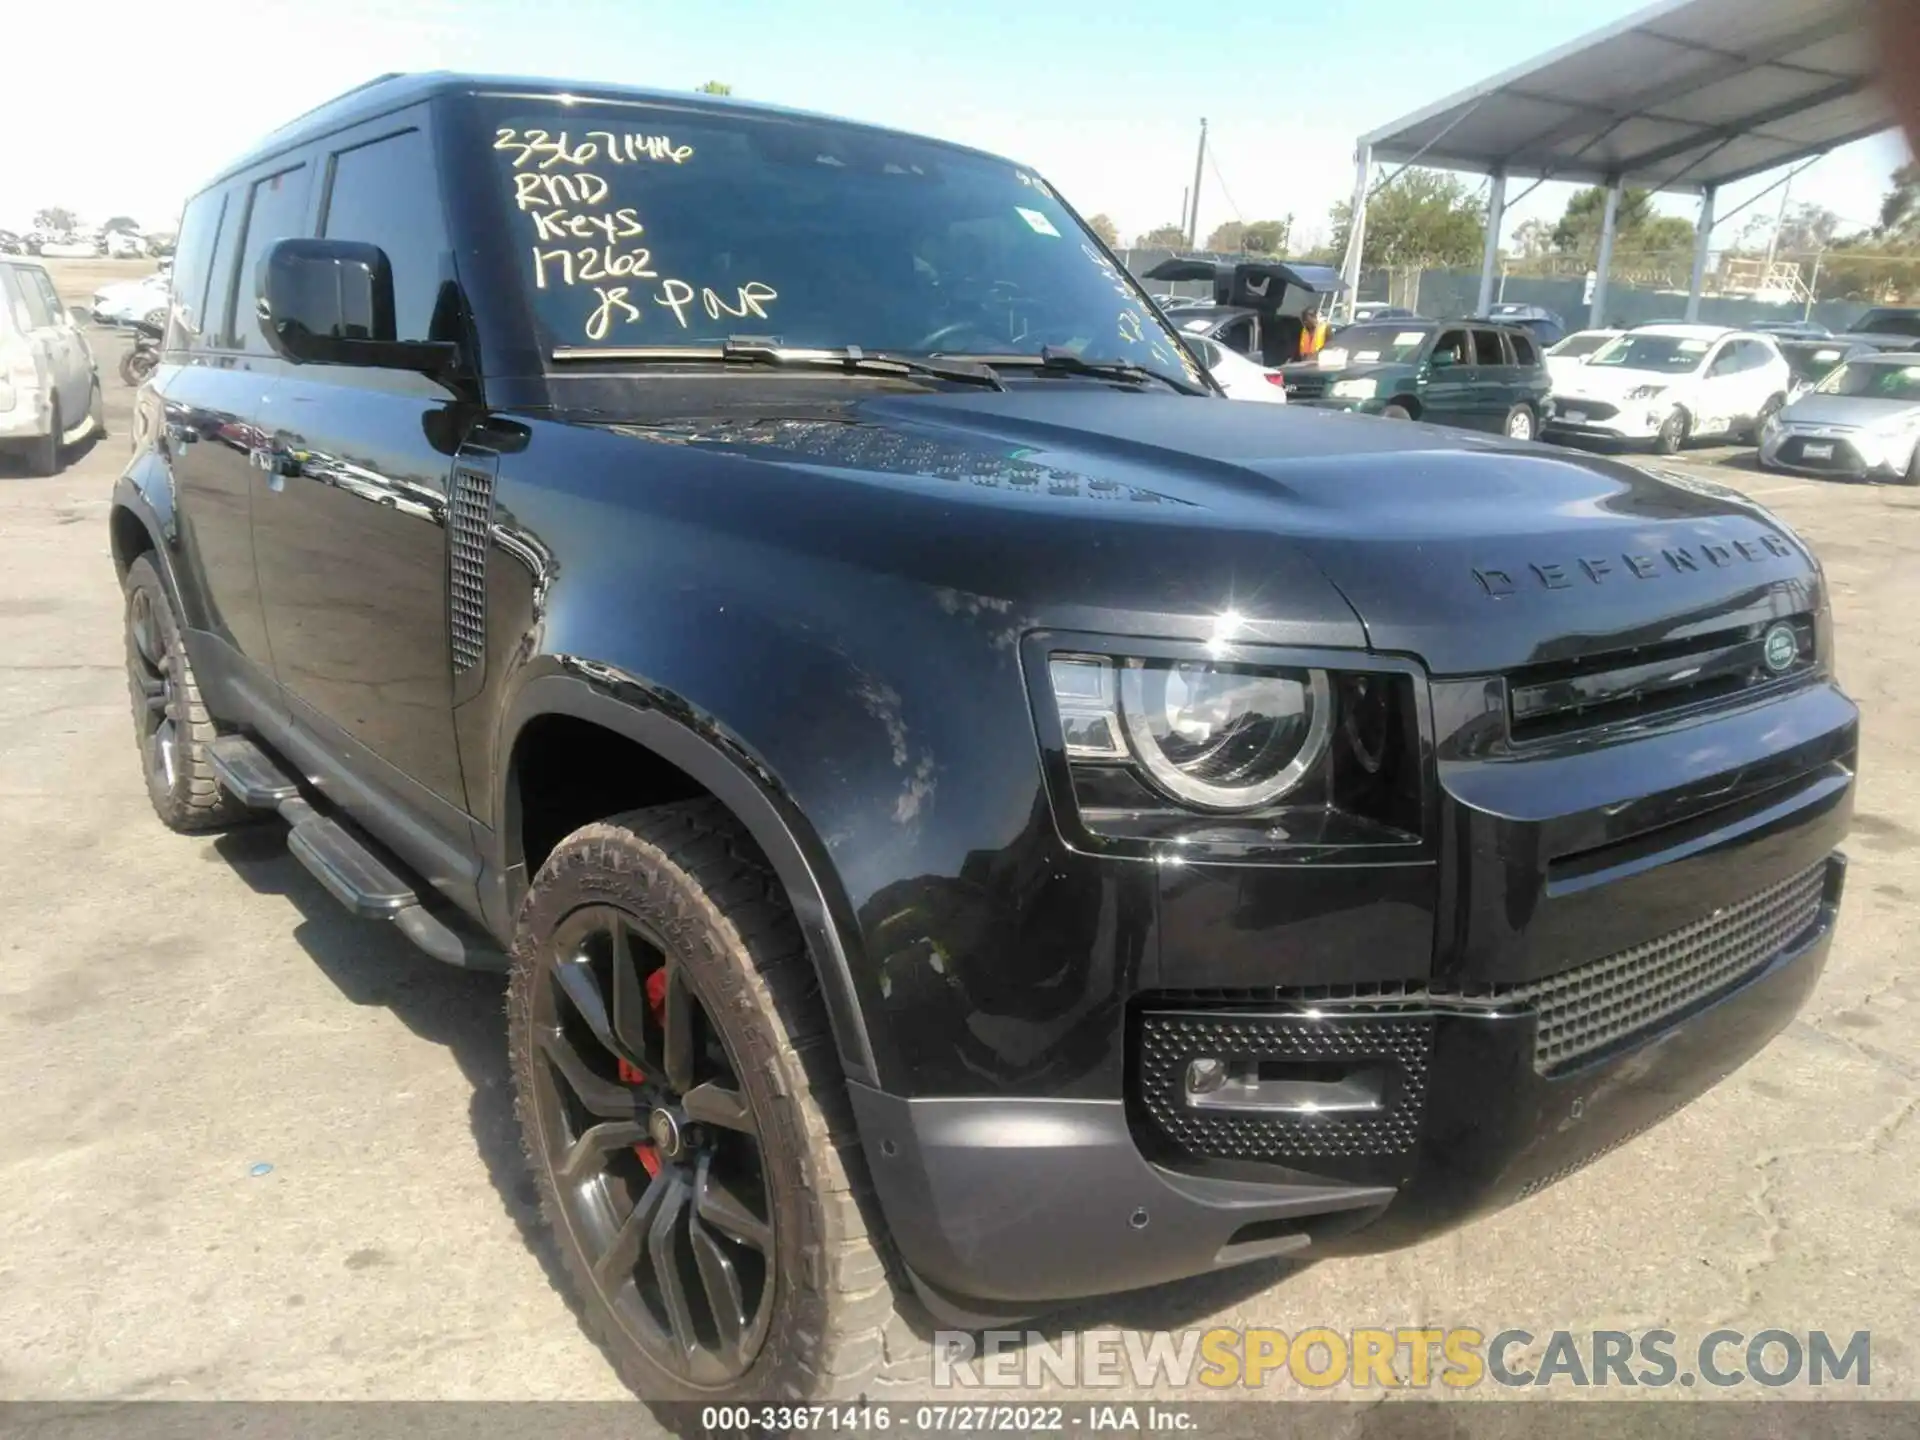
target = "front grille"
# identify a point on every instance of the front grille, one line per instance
(1632, 991)
(1844, 458)
(469, 523)
(1563, 697)
(1168, 1040)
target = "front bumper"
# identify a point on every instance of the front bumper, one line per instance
(1629, 422)
(1854, 454)
(1006, 1206)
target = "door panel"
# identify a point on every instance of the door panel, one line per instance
(1447, 396)
(1492, 381)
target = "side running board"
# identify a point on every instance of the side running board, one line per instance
(350, 869)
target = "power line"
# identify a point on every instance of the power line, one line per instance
(1213, 164)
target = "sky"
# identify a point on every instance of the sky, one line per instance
(1104, 100)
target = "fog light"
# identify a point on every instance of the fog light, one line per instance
(1206, 1075)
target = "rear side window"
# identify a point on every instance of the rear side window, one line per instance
(1238, 335)
(387, 193)
(276, 210)
(1486, 348)
(1523, 351)
(193, 265)
(33, 299)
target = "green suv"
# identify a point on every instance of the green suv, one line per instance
(1473, 375)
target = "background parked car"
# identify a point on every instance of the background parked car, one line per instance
(1366, 311)
(1861, 420)
(1791, 329)
(125, 301)
(1239, 376)
(1477, 376)
(1811, 361)
(1671, 383)
(1563, 356)
(49, 390)
(1547, 327)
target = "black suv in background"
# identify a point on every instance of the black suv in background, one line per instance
(964, 807)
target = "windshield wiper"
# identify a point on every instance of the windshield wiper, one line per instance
(750, 350)
(1065, 362)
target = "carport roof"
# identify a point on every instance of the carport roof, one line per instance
(1682, 95)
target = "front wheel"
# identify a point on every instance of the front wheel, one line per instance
(1672, 434)
(1911, 475)
(1767, 412)
(136, 365)
(1519, 424)
(1396, 412)
(684, 1119)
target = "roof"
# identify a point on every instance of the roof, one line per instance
(393, 91)
(1682, 95)
(1688, 332)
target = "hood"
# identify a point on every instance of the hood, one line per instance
(1469, 552)
(1613, 382)
(1851, 411)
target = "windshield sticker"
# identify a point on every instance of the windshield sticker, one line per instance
(565, 202)
(1363, 356)
(1826, 355)
(1040, 224)
(1409, 337)
(1693, 347)
(1910, 372)
(1195, 327)
(1332, 359)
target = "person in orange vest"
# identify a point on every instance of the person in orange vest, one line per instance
(1313, 333)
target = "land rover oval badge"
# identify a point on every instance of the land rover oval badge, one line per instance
(1781, 648)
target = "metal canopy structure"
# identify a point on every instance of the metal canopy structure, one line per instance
(1686, 95)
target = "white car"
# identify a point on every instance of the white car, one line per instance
(1571, 353)
(49, 389)
(125, 301)
(1239, 376)
(1669, 384)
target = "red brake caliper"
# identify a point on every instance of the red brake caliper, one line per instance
(631, 1074)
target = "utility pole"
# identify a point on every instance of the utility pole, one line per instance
(1185, 197)
(1779, 223)
(1193, 215)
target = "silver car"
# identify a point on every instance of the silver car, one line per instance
(1863, 419)
(49, 386)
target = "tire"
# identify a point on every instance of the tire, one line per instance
(135, 366)
(1672, 434)
(97, 409)
(1911, 475)
(1396, 412)
(680, 893)
(157, 317)
(170, 720)
(44, 456)
(1520, 424)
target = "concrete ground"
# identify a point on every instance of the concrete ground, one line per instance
(253, 1148)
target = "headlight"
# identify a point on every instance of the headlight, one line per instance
(1354, 389)
(1215, 737)
(1645, 392)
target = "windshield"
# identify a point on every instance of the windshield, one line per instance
(1376, 345)
(1809, 362)
(645, 226)
(1669, 354)
(1869, 380)
(1890, 322)
(1578, 345)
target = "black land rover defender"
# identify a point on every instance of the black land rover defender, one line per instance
(966, 807)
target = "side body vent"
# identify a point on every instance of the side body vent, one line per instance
(469, 530)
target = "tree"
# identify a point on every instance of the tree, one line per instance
(56, 220)
(1534, 238)
(1901, 208)
(1163, 237)
(123, 222)
(1637, 229)
(1103, 226)
(716, 87)
(1421, 217)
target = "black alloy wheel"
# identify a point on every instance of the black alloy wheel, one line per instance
(653, 1149)
(151, 678)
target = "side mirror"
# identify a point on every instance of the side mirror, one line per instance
(1441, 359)
(330, 302)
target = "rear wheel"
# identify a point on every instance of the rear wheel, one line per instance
(136, 365)
(43, 455)
(684, 1118)
(1672, 433)
(1911, 475)
(169, 719)
(1520, 423)
(1396, 412)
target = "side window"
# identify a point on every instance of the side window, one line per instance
(193, 265)
(1453, 344)
(32, 300)
(1726, 360)
(1238, 335)
(15, 301)
(49, 297)
(1523, 351)
(1207, 350)
(276, 210)
(1486, 348)
(387, 193)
